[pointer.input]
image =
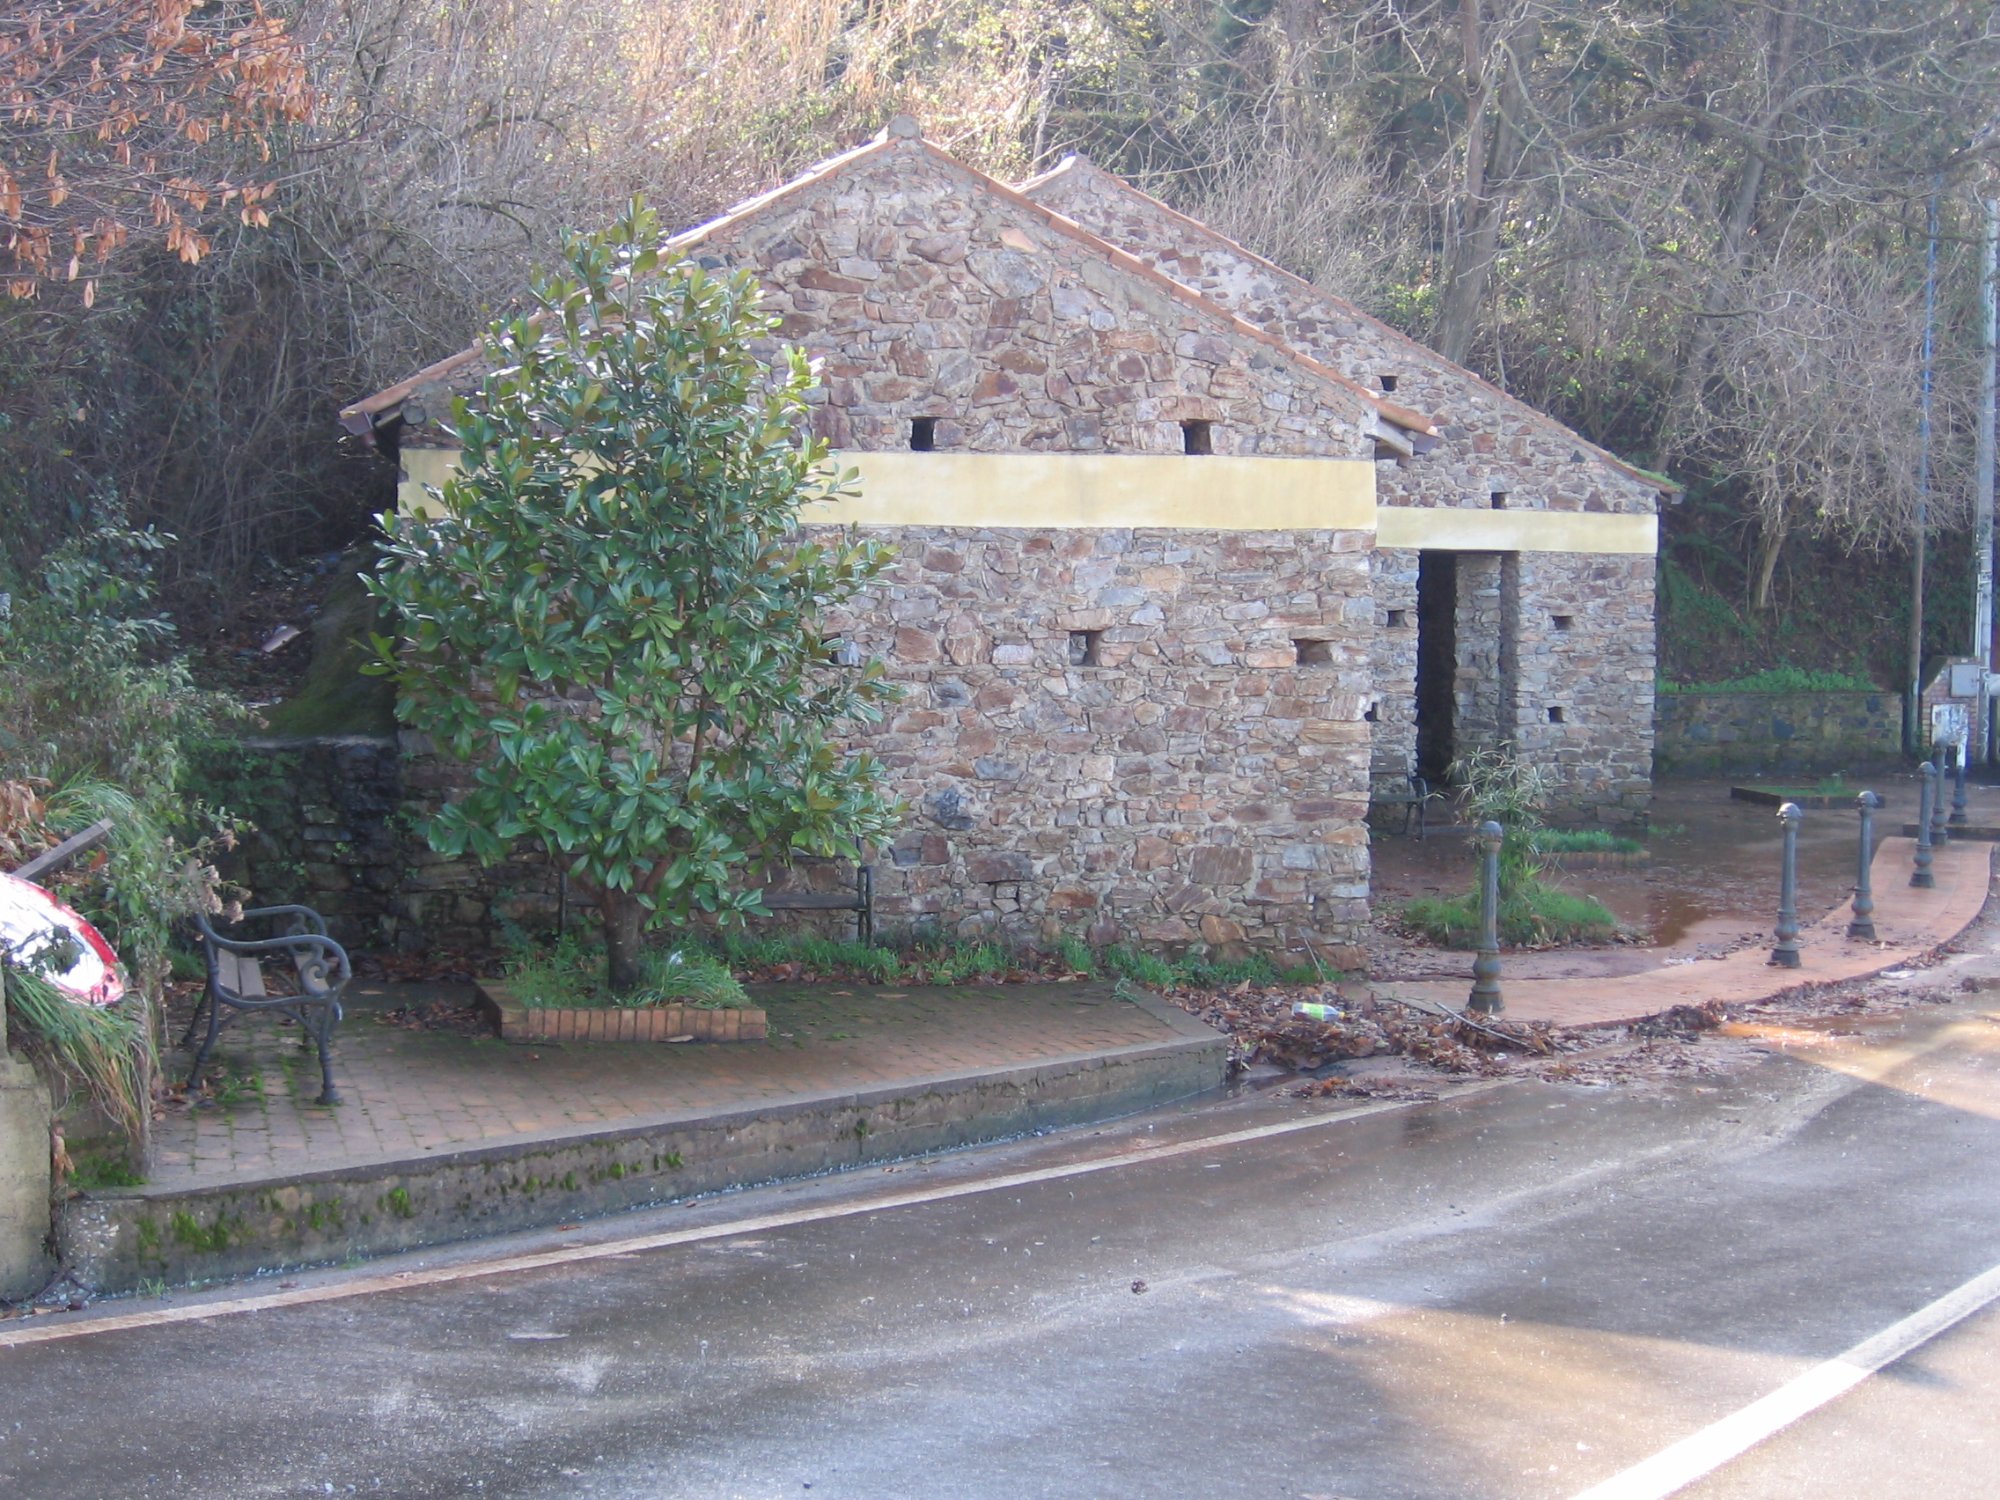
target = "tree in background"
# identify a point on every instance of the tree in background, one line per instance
(130, 117)
(614, 618)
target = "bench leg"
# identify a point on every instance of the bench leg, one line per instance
(329, 1016)
(194, 1021)
(207, 1042)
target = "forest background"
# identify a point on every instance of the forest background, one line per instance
(1697, 232)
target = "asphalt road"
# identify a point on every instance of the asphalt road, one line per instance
(1525, 1291)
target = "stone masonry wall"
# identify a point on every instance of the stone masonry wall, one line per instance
(1584, 679)
(1200, 777)
(333, 823)
(1710, 733)
(1493, 445)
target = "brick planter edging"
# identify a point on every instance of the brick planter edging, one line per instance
(613, 1023)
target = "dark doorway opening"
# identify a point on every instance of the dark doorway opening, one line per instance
(1437, 662)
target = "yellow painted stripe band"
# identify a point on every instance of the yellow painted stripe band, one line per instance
(1078, 490)
(1446, 528)
(1090, 491)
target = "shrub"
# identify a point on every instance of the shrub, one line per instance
(613, 617)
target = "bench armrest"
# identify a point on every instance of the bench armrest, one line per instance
(322, 963)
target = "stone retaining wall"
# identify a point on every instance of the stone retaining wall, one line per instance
(1709, 733)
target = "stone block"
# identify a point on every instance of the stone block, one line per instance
(24, 1178)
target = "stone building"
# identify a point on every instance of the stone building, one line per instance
(1513, 569)
(1131, 609)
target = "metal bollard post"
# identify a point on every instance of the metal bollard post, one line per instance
(1786, 954)
(1958, 813)
(1922, 878)
(1940, 835)
(1485, 998)
(1863, 925)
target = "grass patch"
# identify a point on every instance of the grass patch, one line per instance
(569, 975)
(1777, 680)
(94, 1170)
(1583, 841)
(1826, 786)
(1533, 914)
(932, 960)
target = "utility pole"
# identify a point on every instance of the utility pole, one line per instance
(1982, 524)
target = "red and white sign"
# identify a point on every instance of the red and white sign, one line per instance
(39, 932)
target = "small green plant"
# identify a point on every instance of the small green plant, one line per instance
(1502, 788)
(104, 1049)
(96, 1170)
(233, 1086)
(1075, 952)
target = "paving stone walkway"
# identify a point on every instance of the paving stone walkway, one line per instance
(1908, 922)
(408, 1094)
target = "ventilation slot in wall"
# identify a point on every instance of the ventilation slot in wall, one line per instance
(1197, 437)
(1561, 622)
(923, 434)
(1556, 716)
(1314, 653)
(1083, 646)
(1398, 618)
(1369, 717)
(1498, 500)
(1388, 383)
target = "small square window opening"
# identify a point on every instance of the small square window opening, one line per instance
(1397, 618)
(1498, 500)
(1556, 716)
(1083, 647)
(1314, 653)
(1197, 437)
(1561, 622)
(1388, 383)
(923, 434)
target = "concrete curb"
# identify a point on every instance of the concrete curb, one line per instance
(119, 1241)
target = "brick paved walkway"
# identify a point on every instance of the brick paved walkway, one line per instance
(411, 1093)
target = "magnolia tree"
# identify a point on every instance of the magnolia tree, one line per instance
(614, 617)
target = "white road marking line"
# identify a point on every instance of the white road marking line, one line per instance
(1700, 1454)
(364, 1286)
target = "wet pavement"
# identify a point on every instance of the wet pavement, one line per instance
(1709, 885)
(1512, 1294)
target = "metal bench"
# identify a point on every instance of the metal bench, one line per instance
(860, 901)
(236, 982)
(1402, 789)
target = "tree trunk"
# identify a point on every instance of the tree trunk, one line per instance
(1769, 545)
(1494, 150)
(624, 925)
